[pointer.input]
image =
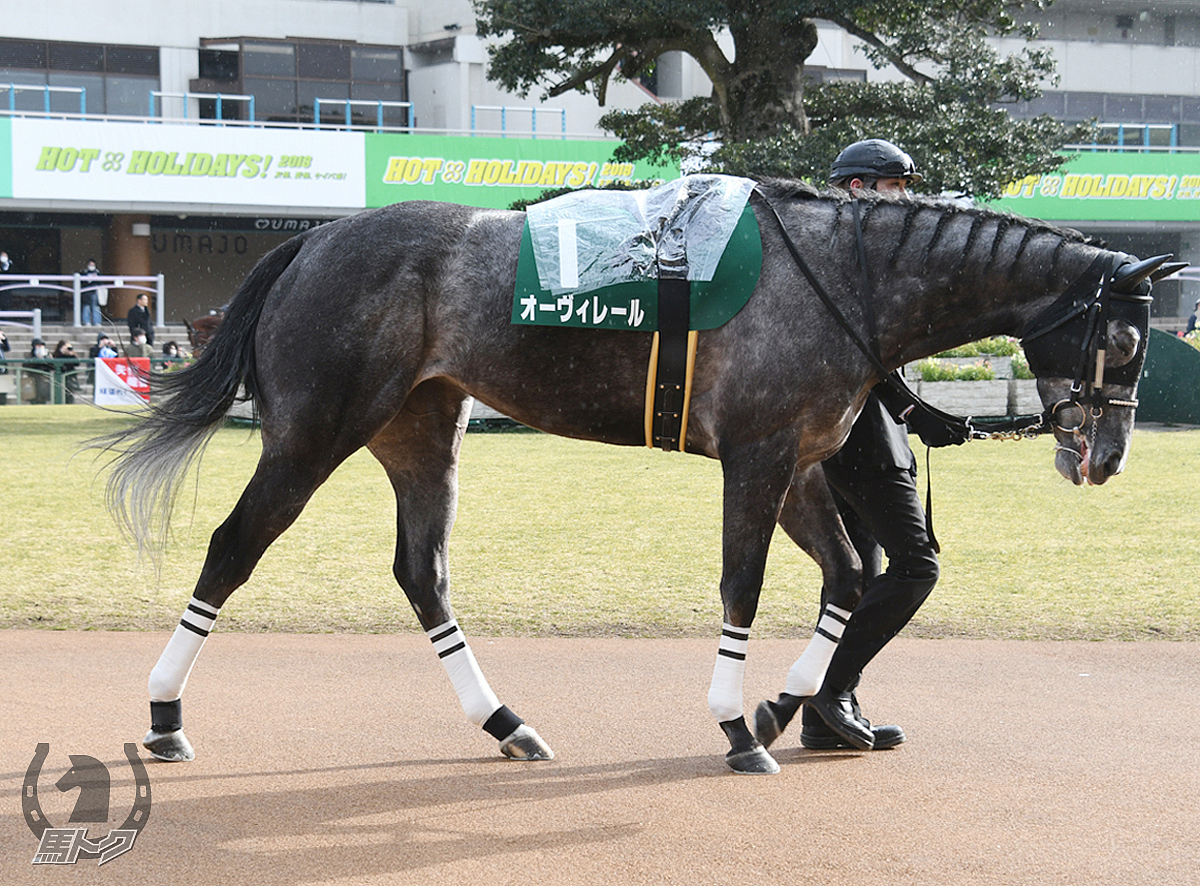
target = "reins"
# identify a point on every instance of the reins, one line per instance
(1015, 426)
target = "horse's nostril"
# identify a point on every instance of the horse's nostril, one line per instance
(1113, 464)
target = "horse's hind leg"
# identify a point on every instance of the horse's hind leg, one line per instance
(419, 451)
(285, 479)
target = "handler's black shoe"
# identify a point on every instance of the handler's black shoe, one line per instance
(837, 710)
(822, 738)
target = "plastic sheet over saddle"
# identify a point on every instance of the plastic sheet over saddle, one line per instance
(594, 258)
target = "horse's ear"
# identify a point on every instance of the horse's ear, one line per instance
(1127, 277)
(1123, 341)
(1171, 267)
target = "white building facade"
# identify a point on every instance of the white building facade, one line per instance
(417, 70)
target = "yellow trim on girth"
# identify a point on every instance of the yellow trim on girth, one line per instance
(693, 340)
(651, 375)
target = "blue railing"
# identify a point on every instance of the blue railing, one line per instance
(531, 110)
(14, 88)
(219, 97)
(1138, 136)
(351, 102)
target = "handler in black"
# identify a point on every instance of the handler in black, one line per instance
(873, 479)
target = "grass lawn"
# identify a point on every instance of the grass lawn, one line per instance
(565, 538)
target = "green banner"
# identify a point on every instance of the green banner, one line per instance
(491, 172)
(1106, 186)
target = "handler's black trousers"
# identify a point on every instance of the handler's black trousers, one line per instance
(880, 508)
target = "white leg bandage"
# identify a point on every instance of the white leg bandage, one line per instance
(476, 697)
(808, 673)
(725, 694)
(175, 664)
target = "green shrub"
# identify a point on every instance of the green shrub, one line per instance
(1020, 366)
(933, 369)
(998, 346)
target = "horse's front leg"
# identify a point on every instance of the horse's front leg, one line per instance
(810, 518)
(419, 451)
(756, 477)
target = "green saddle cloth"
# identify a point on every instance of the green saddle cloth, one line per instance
(634, 305)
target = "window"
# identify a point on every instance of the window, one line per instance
(118, 78)
(269, 59)
(324, 61)
(219, 64)
(368, 63)
(287, 76)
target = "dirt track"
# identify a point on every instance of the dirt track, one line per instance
(345, 759)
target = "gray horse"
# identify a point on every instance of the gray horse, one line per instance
(421, 293)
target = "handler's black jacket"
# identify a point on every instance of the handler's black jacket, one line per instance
(877, 441)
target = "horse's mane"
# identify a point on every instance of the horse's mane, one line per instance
(948, 210)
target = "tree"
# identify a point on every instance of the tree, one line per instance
(764, 116)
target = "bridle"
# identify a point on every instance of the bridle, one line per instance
(1079, 317)
(1077, 350)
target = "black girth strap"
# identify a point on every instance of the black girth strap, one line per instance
(672, 356)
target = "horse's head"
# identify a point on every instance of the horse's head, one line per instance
(1087, 351)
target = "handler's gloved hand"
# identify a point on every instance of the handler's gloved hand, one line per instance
(935, 431)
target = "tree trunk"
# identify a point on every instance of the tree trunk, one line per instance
(764, 89)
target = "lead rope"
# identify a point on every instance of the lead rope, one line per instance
(937, 548)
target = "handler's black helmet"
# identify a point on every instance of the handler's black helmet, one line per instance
(876, 158)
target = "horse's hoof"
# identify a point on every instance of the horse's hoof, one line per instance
(525, 744)
(173, 747)
(755, 761)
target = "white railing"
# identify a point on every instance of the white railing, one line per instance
(14, 318)
(80, 284)
(287, 124)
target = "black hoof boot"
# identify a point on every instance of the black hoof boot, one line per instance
(166, 740)
(772, 717)
(746, 755)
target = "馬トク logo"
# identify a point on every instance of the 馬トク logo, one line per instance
(66, 845)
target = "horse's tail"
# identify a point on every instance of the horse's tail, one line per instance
(153, 456)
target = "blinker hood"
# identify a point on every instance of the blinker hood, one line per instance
(1063, 340)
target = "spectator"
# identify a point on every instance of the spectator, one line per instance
(139, 315)
(65, 351)
(89, 311)
(139, 347)
(5, 347)
(40, 372)
(1192, 319)
(6, 267)
(171, 357)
